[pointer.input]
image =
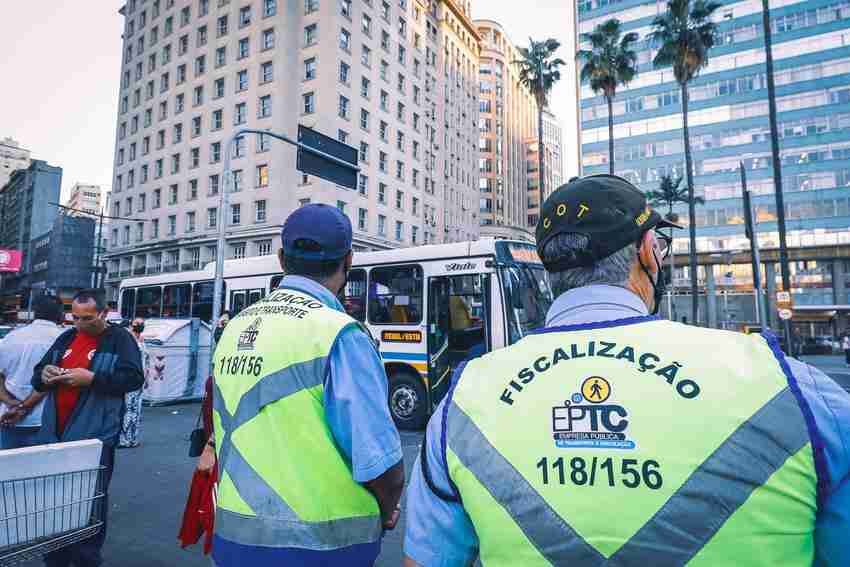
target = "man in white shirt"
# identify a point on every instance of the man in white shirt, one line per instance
(20, 351)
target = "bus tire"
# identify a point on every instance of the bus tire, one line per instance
(408, 400)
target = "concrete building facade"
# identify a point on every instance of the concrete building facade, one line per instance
(553, 165)
(12, 158)
(506, 119)
(394, 79)
(86, 197)
(728, 121)
(25, 213)
(63, 257)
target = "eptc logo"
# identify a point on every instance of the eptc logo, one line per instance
(585, 420)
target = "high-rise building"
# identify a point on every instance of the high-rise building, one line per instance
(62, 257)
(553, 165)
(26, 213)
(85, 197)
(12, 158)
(728, 119)
(507, 117)
(395, 79)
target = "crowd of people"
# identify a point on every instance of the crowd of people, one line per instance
(610, 436)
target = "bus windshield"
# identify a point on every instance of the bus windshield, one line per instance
(527, 292)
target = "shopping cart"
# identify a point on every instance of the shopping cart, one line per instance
(42, 514)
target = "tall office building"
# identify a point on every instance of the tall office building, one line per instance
(25, 214)
(395, 79)
(85, 197)
(12, 158)
(507, 118)
(553, 165)
(728, 121)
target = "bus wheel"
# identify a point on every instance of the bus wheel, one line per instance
(408, 401)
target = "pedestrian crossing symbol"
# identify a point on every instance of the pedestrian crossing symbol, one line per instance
(596, 389)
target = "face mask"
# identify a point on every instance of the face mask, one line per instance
(138, 328)
(659, 284)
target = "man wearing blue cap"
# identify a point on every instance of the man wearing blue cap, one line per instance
(310, 460)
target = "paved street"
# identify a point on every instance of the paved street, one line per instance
(151, 484)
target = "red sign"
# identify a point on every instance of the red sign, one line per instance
(10, 260)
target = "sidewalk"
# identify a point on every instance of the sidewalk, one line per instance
(827, 362)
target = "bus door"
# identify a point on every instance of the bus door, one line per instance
(458, 326)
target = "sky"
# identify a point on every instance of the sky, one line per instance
(61, 66)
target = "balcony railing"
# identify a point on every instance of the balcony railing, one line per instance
(170, 268)
(190, 266)
(124, 273)
(140, 271)
(153, 270)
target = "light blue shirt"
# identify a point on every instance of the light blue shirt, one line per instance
(439, 533)
(355, 395)
(20, 351)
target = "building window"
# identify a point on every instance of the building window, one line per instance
(172, 195)
(414, 206)
(239, 250)
(364, 87)
(212, 218)
(265, 107)
(341, 206)
(198, 96)
(213, 185)
(263, 143)
(310, 69)
(193, 189)
(190, 221)
(364, 119)
(343, 107)
(310, 6)
(342, 136)
(260, 211)
(244, 48)
(399, 231)
(363, 184)
(345, 39)
(362, 220)
(344, 72)
(237, 180)
(240, 114)
(215, 152)
(310, 35)
(385, 41)
(383, 128)
(217, 119)
(155, 228)
(218, 88)
(366, 25)
(268, 39)
(172, 225)
(269, 8)
(382, 161)
(221, 26)
(366, 56)
(414, 235)
(309, 103)
(157, 198)
(195, 154)
(244, 16)
(264, 247)
(235, 214)
(241, 80)
(220, 57)
(364, 152)
(382, 193)
(382, 225)
(261, 179)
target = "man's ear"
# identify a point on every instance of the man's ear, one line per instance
(647, 252)
(349, 258)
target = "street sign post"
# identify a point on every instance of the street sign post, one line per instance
(785, 305)
(785, 314)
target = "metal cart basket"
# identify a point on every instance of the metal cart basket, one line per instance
(42, 514)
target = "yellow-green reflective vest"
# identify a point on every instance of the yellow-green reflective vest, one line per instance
(641, 443)
(283, 482)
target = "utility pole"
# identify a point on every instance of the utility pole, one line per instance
(752, 234)
(777, 165)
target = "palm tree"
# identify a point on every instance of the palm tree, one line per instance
(610, 62)
(684, 35)
(668, 194)
(538, 72)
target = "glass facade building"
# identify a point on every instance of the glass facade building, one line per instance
(728, 119)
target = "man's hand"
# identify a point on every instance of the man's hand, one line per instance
(76, 377)
(389, 523)
(206, 461)
(49, 372)
(13, 415)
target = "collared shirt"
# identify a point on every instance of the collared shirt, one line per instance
(20, 351)
(357, 414)
(440, 533)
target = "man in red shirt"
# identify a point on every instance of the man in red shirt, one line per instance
(86, 373)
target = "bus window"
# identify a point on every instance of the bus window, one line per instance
(149, 302)
(202, 300)
(527, 299)
(468, 314)
(354, 298)
(128, 303)
(176, 300)
(275, 282)
(255, 295)
(395, 295)
(237, 302)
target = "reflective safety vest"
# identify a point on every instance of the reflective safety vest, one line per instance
(638, 443)
(284, 483)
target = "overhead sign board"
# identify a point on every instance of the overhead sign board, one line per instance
(316, 164)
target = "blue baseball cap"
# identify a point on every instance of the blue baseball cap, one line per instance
(316, 232)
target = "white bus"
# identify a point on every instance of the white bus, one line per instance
(427, 307)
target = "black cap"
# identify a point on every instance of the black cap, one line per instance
(611, 212)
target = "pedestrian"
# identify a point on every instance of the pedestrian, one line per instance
(86, 373)
(845, 345)
(613, 437)
(309, 458)
(132, 419)
(20, 351)
(220, 325)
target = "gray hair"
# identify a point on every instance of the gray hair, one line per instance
(613, 270)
